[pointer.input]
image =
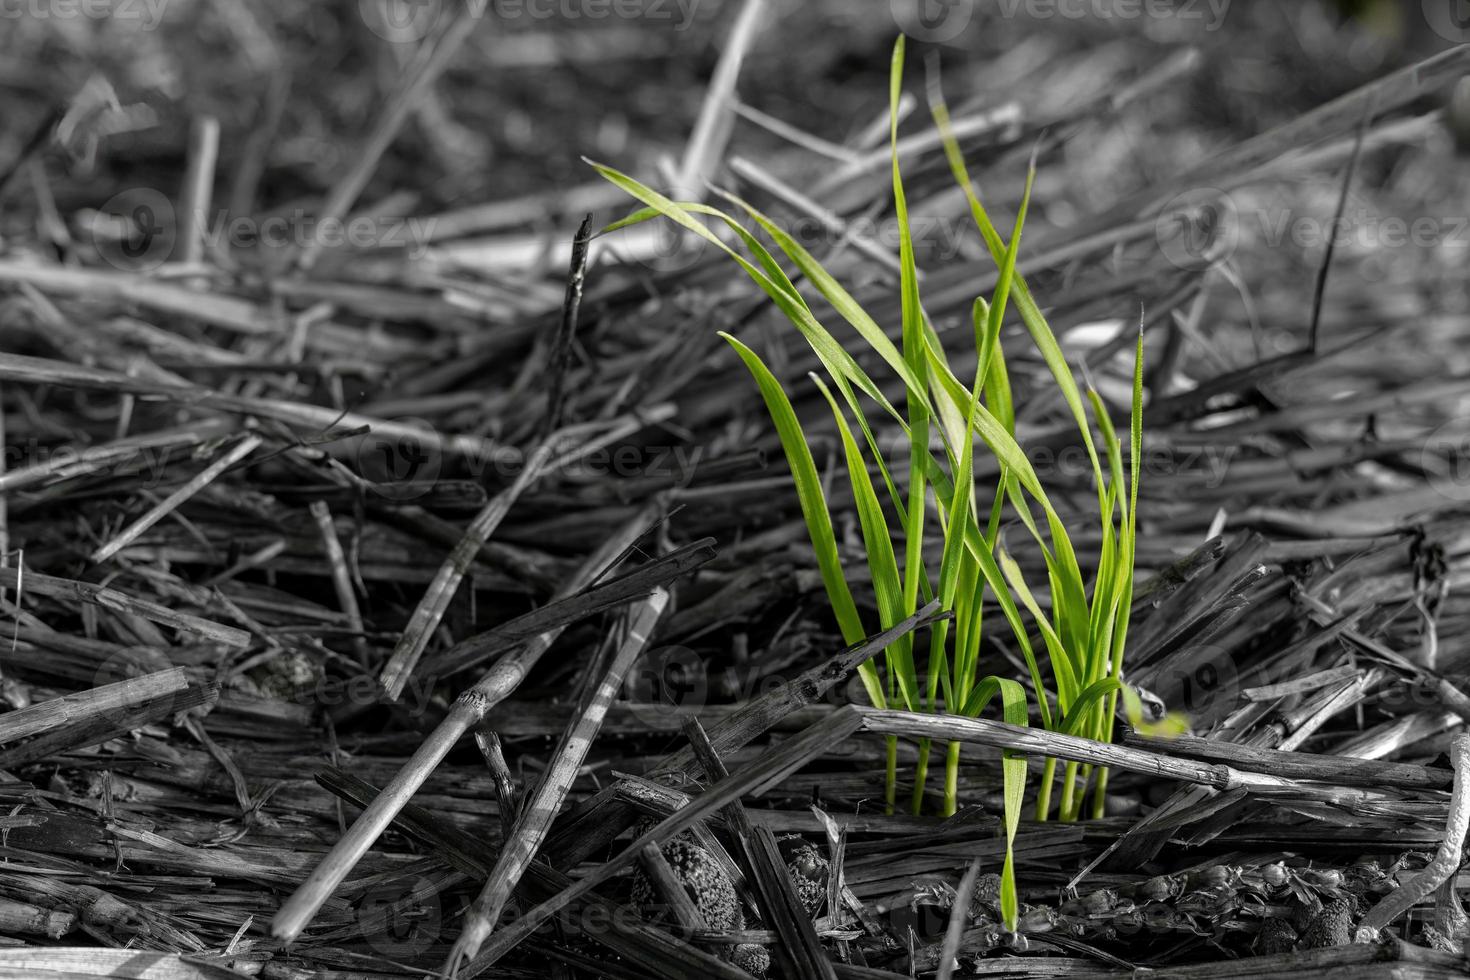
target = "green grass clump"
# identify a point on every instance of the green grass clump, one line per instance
(1084, 632)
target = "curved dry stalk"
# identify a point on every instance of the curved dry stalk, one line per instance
(1446, 860)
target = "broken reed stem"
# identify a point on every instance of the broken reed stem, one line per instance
(341, 576)
(169, 504)
(783, 909)
(1447, 858)
(541, 808)
(78, 460)
(110, 598)
(506, 799)
(559, 357)
(503, 677)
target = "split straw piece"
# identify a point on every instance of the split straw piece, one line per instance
(503, 677)
(169, 504)
(541, 809)
(107, 699)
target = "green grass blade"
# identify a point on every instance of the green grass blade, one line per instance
(882, 563)
(813, 509)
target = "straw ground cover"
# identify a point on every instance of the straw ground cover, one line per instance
(1300, 526)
